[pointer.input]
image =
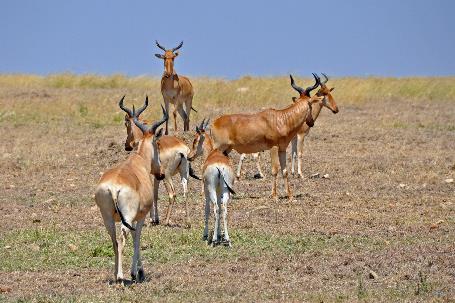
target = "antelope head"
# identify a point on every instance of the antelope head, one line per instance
(150, 136)
(326, 92)
(305, 95)
(198, 142)
(134, 134)
(168, 57)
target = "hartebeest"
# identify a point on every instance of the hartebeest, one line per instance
(176, 89)
(251, 133)
(173, 157)
(297, 143)
(218, 179)
(124, 194)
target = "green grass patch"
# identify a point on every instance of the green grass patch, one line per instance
(50, 248)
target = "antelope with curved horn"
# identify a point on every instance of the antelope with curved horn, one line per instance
(124, 194)
(176, 89)
(173, 157)
(218, 178)
(271, 128)
(297, 142)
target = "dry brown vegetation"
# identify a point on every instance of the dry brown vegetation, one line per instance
(380, 228)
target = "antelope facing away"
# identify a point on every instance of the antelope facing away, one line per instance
(218, 178)
(173, 154)
(176, 89)
(252, 133)
(297, 143)
(124, 194)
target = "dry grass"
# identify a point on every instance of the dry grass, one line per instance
(386, 206)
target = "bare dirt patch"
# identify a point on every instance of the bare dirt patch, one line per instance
(385, 208)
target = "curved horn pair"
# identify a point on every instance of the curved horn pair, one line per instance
(154, 125)
(164, 49)
(133, 112)
(306, 91)
(326, 78)
(203, 125)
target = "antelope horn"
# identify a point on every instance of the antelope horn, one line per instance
(122, 107)
(326, 78)
(297, 88)
(157, 124)
(139, 124)
(206, 123)
(179, 46)
(316, 84)
(157, 44)
(201, 126)
(140, 110)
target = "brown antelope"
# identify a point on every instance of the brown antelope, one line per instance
(218, 178)
(297, 143)
(173, 154)
(124, 194)
(176, 89)
(251, 133)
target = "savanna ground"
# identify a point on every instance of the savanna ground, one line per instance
(380, 228)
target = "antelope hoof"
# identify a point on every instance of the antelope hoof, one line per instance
(237, 177)
(258, 176)
(301, 176)
(120, 282)
(140, 275)
(155, 222)
(205, 237)
(188, 224)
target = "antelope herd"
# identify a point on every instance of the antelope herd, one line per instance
(127, 192)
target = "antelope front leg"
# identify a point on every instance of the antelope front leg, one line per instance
(284, 172)
(293, 153)
(300, 141)
(239, 167)
(154, 217)
(275, 164)
(166, 105)
(174, 113)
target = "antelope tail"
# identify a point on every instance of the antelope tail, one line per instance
(221, 176)
(117, 209)
(190, 169)
(192, 173)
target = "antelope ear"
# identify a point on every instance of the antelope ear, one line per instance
(159, 56)
(158, 133)
(332, 88)
(176, 54)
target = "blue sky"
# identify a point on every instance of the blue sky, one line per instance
(229, 38)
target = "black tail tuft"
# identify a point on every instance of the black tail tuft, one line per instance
(192, 173)
(220, 174)
(117, 209)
